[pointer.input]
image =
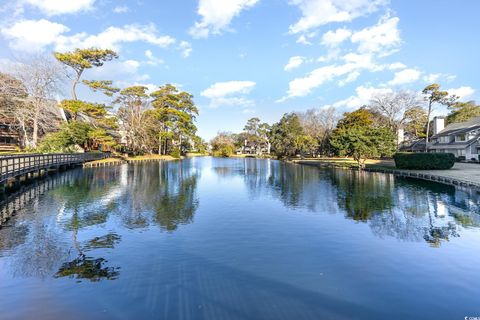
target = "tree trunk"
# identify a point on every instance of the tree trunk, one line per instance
(74, 85)
(35, 124)
(160, 146)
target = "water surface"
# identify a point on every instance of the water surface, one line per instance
(209, 238)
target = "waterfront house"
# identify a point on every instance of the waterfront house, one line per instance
(9, 139)
(461, 139)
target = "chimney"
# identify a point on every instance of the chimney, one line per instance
(438, 124)
(400, 136)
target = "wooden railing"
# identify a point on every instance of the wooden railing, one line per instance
(12, 166)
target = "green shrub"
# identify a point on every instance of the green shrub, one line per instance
(224, 151)
(424, 161)
(176, 153)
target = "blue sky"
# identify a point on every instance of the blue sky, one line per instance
(245, 58)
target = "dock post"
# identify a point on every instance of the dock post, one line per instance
(16, 184)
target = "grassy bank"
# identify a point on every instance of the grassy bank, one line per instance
(150, 157)
(118, 160)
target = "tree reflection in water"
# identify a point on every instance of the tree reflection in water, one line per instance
(163, 194)
(407, 209)
(156, 194)
(90, 268)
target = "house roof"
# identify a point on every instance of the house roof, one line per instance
(460, 127)
(415, 145)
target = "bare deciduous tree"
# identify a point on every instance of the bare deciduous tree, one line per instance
(42, 79)
(393, 106)
(318, 124)
(133, 102)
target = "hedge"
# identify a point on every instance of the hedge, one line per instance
(424, 161)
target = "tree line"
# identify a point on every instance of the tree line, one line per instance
(134, 119)
(371, 131)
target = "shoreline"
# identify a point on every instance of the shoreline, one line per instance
(119, 161)
(458, 176)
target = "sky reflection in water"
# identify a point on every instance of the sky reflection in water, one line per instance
(238, 238)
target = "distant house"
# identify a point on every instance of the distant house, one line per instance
(9, 139)
(461, 139)
(11, 135)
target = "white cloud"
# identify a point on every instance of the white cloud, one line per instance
(57, 7)
(354, 63)
(121, 9)
(316, 13)
(334, 38)
(229, 93)
(123, 72)
(217, 15)
(300, 87)
(294, 62)
(304, 40)
(382, 38)
(435, 77)
(396, 66)
(350, 78)
(362, 97)
(186, 48)
(27, 35)
(405, 76)
(462, 92)
(113, 37)
(152, 60)
(222, 89)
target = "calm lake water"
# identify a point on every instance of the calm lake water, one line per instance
(209, 238)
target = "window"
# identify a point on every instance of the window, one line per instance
(445, 139)
(8, 140)
(461, 137)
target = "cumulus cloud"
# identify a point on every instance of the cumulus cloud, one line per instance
(316, 13)
(217, 15)
(462, 92)
(334, 38)
(435, 77)
(396, 66)
(229, 93)
(372, 43)
(382, 38)
(350, 78)
(405, 76)
(222, 89)
(57, 7)
(26, 35)
(294, 62)
(303, 39)
(113, 37)
(362, 97)
(152, 60)
(186, 48)
(351, 68)
(118, 70)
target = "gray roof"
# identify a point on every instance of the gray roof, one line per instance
(460, 127)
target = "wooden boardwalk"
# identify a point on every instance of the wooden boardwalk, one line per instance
(13, 167)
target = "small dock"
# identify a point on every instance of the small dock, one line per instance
(15, 168)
